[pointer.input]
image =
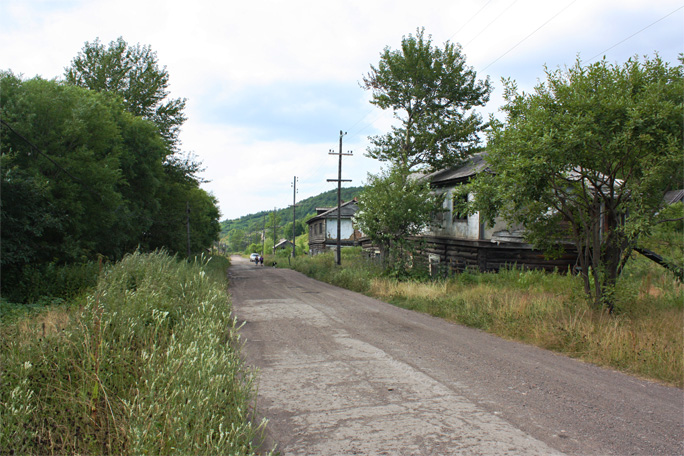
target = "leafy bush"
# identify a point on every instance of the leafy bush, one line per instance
(33, 284)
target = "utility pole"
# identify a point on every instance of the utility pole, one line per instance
(263, 236)
(274, 230)
(339, 181)
(294, 214)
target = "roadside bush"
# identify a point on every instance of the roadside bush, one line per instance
(32, 284)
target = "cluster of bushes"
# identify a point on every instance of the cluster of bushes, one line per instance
(84, 173)
(146, 363)
(357, 272)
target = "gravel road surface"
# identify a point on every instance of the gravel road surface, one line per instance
(344, 374)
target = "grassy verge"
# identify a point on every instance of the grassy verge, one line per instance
(147, 363)
(644, 337)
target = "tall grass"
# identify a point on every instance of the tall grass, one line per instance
(356, 274)
(148, 365)
(645, 337)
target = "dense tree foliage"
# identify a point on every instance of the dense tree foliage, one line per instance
(82, 176)
(132, 72)
(432, 93)
(587, 157)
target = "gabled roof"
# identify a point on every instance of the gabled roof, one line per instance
(471, 167)
(283, 242)
(347, 210)
(674, 196)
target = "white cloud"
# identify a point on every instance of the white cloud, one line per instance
(270, 83)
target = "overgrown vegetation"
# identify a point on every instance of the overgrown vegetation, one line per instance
(146, 363)
(91, 167)
(587, 157)
(644, 336)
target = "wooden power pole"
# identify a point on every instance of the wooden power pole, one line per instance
(294, 215)
(339, 181)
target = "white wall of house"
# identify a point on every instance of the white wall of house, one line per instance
(346, 229)
(469, 227)
(451, 225)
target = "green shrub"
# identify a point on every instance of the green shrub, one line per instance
(32, 284)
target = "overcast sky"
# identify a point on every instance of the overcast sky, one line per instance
(270, 84)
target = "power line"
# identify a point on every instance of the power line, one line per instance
(634, 34)
(493, 20)
(469, 20)
(535, 31)
(370, 123)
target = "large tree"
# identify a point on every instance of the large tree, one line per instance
(432, 93)
(82, 176)
(587, 157)
(133, 72)
(60, 150)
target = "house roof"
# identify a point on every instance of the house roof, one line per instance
(471, 167)
(283, 242)
(347, 210)
(674, 196)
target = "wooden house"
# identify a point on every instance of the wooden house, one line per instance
(323, 228)
(458, 241)
(283, 244)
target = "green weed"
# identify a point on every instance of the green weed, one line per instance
(148, 365)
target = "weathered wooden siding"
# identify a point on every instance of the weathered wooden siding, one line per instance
(443, 255)
(459, 254)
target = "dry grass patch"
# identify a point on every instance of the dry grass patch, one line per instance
(644, 339)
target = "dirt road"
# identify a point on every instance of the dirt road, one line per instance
(344, 374)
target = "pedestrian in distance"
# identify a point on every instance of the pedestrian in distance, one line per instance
(261, 260)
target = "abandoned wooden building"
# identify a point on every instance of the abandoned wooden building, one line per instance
(323, 228)
(283, 244)
(455, 241)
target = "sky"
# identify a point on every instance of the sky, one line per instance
(270, 84)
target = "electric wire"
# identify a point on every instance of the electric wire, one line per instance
(493, 20)
(535, 31)
(469, 20)
(635, 34)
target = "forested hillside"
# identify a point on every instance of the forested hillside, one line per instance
(305, 209)
(241, 232)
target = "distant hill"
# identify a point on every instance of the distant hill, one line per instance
(305, 208)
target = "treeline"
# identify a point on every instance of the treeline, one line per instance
(90, 171)
(240, 233)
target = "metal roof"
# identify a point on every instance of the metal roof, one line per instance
(471, 167)
(674, 196)
(348, 209)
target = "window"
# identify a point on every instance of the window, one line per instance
(458, 202)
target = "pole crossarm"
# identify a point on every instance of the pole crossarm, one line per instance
(339, 181)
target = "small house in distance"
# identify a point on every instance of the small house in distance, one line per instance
(323, 228)
(283, 244)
